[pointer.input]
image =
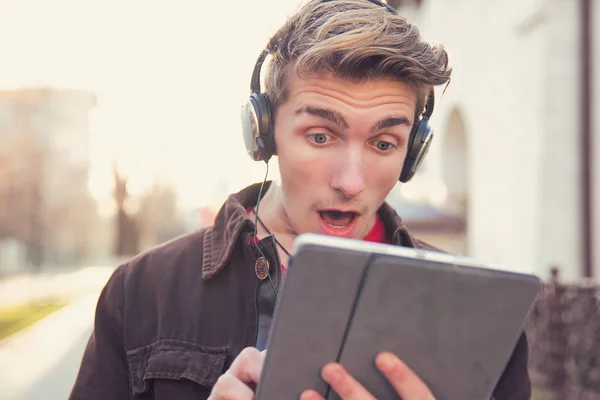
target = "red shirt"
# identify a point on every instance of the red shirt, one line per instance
(376, 234)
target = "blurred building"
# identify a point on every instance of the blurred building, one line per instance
(45, 205)
(507, 152)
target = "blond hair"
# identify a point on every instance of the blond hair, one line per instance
(356, 40)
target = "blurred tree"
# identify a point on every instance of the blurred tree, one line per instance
(45, 204)
(22, 177)
(69, 223)
(127, 235)
(157, 216)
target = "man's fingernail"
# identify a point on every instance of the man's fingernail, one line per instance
(333, 373)
(386, 362)
(308, 395)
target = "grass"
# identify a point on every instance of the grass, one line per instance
(541, 394)
(545, 394)
(15, 318)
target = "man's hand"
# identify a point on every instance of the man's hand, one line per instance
(240, 379)
(407, 384)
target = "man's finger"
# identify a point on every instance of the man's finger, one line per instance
(344, 384)
(248, 365)
(311, 395)
(407, 384)
(230, 387)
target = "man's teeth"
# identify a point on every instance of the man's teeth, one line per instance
(337, 219)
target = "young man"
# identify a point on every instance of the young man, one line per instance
(345, 109)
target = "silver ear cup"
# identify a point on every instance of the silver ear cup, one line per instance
(417, 151)
(250, 130)
(422, 152)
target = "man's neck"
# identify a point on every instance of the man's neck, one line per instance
(273, 215)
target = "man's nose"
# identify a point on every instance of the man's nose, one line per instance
(349, 177)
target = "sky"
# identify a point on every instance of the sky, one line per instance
(169, 76)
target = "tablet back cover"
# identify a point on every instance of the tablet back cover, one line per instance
(454, 326)
(317, 298)
(456, 330)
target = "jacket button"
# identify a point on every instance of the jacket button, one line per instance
(261, 267)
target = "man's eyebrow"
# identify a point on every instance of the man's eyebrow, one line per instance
(338, 119)
(325, 113)
(389, 122)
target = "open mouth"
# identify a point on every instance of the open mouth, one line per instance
(338, 219)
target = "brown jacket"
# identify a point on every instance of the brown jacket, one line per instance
(170, 321)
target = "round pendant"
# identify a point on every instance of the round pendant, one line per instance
(262, 268)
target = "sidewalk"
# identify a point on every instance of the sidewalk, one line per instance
(29, 355)
(27, 288)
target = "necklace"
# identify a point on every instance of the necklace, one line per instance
(269, 232)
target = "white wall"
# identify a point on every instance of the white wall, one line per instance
(596, 134)
(560, 228)
(515, 82)
(496, 67)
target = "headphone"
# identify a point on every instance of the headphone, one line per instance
(257, 123)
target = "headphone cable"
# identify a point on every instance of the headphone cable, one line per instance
(255, 239)
(269, 232)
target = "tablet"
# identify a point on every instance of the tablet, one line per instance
(453, 320)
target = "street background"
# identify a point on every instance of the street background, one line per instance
(119, 130)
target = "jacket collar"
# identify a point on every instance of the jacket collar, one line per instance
(232, 220)
(224, 235)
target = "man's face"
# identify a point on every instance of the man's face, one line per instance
(341, 146)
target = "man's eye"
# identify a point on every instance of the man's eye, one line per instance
(384, 146)
(319, 138)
